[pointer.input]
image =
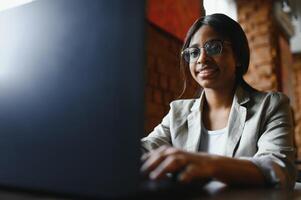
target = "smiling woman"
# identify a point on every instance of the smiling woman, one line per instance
(232, 133)
(6, 4)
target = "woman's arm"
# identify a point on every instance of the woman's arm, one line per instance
(199, 166)
(234, 171)
(275, 155)
(273, 164)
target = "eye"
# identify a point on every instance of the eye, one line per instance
(194, 52)
(213, 47)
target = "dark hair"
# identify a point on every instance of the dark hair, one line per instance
(229, 30)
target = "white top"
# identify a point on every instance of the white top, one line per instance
(214, 142)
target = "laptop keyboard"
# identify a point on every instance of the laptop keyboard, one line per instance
(169, 187)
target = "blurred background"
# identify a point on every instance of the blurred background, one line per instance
(273, 28)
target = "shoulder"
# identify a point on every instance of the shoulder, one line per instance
(271, 97)
(259, 103)
(277, 102)
(269, 105)
(183, 106)
(183, 103)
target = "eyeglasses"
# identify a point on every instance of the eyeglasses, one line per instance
(212, 48)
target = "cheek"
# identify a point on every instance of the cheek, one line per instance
(230, 71)
(232, 67)
(227, 65)
(191, 69)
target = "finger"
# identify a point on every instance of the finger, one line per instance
(145, 156)
(170, 164)
(189, 173)
(157, 156)
(193, 172)
(154, 158)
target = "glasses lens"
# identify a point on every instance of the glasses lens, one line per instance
(191, 54)
(213, 47)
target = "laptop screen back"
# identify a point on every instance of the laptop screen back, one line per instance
(71, 96)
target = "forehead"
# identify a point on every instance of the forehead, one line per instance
(204, 34)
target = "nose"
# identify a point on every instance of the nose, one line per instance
(203, 56)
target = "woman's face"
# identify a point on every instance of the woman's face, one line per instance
(212, 71)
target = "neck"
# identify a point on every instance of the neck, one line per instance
(219, 99)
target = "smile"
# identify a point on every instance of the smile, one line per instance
(207, 72)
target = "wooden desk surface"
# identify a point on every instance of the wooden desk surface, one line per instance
(220, 191)
(212, 191)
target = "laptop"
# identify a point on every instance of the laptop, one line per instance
(71, 96)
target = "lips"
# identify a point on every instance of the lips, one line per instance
(206, 72)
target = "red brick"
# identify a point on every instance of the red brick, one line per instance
(267, 83)
(161, 62)
(264, 70)
(157, 96)
(260, 40)
(154, 110)
(264, 28)
(246, 9)
(168, 97)
(262, 15)
(148, 94)
(163, 82)
(151, 123)
(174, 84)
(261, 55)
(162, 66)
(153, 79)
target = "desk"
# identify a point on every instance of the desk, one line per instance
(218, 191)
(211, 191)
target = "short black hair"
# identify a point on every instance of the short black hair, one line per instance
(230, 30)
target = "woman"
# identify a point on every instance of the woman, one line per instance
(232, 133)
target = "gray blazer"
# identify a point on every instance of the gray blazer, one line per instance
(260, 129)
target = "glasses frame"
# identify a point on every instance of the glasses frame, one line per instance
(185, 51)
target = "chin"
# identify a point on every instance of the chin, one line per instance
(207, 84)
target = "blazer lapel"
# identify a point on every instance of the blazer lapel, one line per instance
(237, 121)
(194, 125)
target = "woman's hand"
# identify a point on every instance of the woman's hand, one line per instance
(189, 166)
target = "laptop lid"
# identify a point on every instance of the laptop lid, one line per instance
(71, 96)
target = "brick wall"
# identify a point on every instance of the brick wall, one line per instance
(167, 23)
(257, 21)
(164, 79)
(286, 69)
(174, 16)
(297, 93)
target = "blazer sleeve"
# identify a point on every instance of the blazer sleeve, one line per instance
(275, 156)
(158, 137)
